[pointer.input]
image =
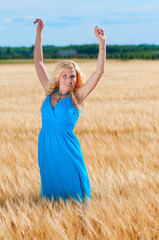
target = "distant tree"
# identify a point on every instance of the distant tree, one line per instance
(131, 56)
(153, 56)
(8, 51)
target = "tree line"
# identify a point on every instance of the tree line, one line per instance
(142, 51)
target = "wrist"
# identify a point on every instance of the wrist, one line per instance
(102, 44)
(38, 36)
(39, 33)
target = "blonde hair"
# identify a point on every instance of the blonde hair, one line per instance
(59, 68)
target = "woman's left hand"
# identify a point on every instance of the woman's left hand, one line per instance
(99, 32)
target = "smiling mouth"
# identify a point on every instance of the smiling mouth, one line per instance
(68, 85)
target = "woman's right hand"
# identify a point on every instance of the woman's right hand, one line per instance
(40, 25)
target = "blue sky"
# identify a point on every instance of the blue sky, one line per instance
(73, 22)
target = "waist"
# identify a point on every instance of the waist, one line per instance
(61, 126)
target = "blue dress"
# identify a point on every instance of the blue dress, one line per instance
(62, 168)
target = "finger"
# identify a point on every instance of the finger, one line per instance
(96, 30)
(40, 21)
(36, 21)
(100, 30)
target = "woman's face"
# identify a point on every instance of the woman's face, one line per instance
(68, 79)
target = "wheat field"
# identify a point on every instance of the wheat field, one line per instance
(119, 137)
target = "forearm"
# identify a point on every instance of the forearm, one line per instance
(101, 61)
(38, 51)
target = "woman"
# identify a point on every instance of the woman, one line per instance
(62, 167)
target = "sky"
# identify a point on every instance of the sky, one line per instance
(68, 22)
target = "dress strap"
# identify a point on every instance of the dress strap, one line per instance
(56, 90)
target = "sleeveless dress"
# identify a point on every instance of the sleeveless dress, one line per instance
(62, 168)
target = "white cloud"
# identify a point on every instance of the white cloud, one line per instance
(19, 19)
(7, 20)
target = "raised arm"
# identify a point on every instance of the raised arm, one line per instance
(38, 55)
(82, 92)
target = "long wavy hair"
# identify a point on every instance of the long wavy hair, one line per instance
(53, 83)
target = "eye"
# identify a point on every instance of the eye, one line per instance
(73, 76)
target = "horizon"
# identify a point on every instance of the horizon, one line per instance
(122, 45)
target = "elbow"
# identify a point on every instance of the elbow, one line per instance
(37, 61)
(100, 73)
(102, 70)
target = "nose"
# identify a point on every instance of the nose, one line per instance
(69, 79)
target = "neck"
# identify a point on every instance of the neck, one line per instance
(62, 92)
